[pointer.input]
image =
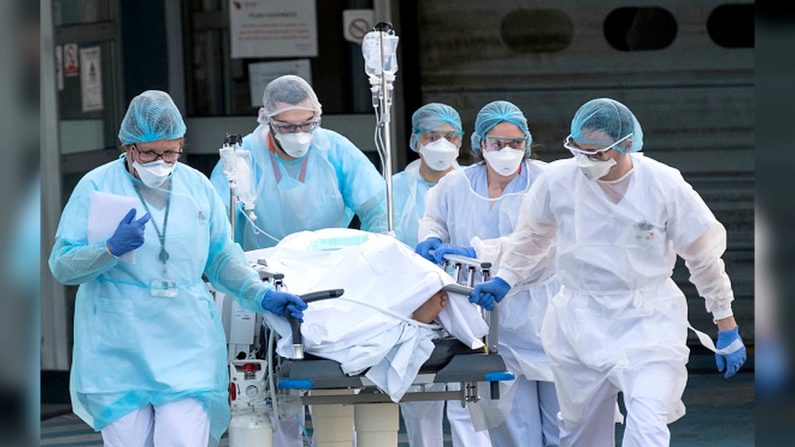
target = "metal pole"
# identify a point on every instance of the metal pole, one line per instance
(232, 206)
(55, 337)
(385, 129)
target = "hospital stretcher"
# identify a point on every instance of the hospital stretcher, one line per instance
(337, 397)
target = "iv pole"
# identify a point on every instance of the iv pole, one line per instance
(379, 48)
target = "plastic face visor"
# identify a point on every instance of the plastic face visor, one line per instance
(595, 154)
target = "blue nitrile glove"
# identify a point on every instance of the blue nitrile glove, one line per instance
(129, 235)
(445, 249)
(485, 294)
(424, 248)
(281, 303)
(735, 354)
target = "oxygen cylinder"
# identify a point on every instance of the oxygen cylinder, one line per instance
(250, 425)
(248, 429)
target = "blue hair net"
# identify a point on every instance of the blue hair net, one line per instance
(494, 113)
(152, 116)
(608, 116)
(433, 115)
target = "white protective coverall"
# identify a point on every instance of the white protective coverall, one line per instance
(423, 419)
(459, 211)
(370, 326)
(619, 322)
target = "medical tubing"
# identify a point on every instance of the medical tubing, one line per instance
(377, 139)
(277, 240)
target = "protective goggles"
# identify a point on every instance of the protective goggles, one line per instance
(433, 135)
(595, 154)
(497, 143)
(282, 127)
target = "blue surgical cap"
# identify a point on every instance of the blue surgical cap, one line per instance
(609, 116)
(430, 116)
(152, 116)
(495, 113)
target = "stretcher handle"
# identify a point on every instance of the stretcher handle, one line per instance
(321, 295)
(295, 325)
(467, 261)
(457, 288)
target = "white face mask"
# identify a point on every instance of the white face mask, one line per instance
(295, 144)
(439, 155)
(505, 161)
(594, 169)
(153, 174)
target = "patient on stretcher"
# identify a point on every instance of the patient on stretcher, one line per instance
(430, 309)
(392, 308)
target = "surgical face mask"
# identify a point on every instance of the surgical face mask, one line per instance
(439, 155)
(594, 169)
(295, 144)
(153, 174)
(505, 161)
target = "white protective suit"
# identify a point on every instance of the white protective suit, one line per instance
(459, 212)
(423, 419)
(619, 322)
(370, 326)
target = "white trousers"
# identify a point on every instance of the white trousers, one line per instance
(182, 423)
(461, 427)
(423, 420)
(290, 432)
(533, 421)
(648, 404)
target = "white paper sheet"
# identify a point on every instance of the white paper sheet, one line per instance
(273, 28)
(261, 73)
(104, 214)
(91, 79)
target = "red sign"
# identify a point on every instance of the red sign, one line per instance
(358, 28)
(71, 64)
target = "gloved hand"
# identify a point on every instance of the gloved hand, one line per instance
(485, 294)
(281, 303)
(730, 361)
(446, 249)
(129, 235)
(424, 248)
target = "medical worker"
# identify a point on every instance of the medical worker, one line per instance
(436, 134)
(305, 177)
(480, 202)
(149, 360)
(618, 220)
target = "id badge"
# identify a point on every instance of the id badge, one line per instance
(163, 288)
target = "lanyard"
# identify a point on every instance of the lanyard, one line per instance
(273, 154)
(162, 236)
(278, 174)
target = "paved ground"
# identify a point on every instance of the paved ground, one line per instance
(719, 414)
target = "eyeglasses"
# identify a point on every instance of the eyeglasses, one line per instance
(497, 143)
(595, 154)
(148, 155)
(430, 136)
(282, 127)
